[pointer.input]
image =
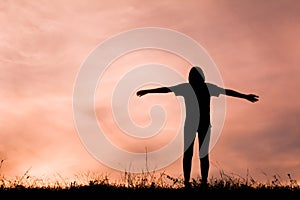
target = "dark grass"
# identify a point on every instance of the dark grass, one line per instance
(149, 185)
(122, 192)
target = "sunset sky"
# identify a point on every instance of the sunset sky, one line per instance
(254, 44)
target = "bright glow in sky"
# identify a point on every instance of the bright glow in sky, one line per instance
(254, 44)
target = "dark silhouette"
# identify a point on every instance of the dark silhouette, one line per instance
(197, 95)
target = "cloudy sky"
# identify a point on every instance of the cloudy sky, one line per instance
(254, 44)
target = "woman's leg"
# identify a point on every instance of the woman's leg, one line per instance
(187, 163)
(190, 130)
(204, 162)
(204, 138)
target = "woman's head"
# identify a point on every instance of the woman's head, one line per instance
(196, 75)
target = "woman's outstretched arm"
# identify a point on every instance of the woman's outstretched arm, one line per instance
(154, 90)
(250, 97)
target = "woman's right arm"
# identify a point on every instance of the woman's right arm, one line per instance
(154, 90)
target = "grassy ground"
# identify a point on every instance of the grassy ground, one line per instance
(150, 186)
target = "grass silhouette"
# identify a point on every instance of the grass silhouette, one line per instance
(148, 185)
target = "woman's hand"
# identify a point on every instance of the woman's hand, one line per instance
(252, 97)
(141, 93)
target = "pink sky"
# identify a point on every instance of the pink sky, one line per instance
(254, 44)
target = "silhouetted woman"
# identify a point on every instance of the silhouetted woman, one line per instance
(197, 95)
